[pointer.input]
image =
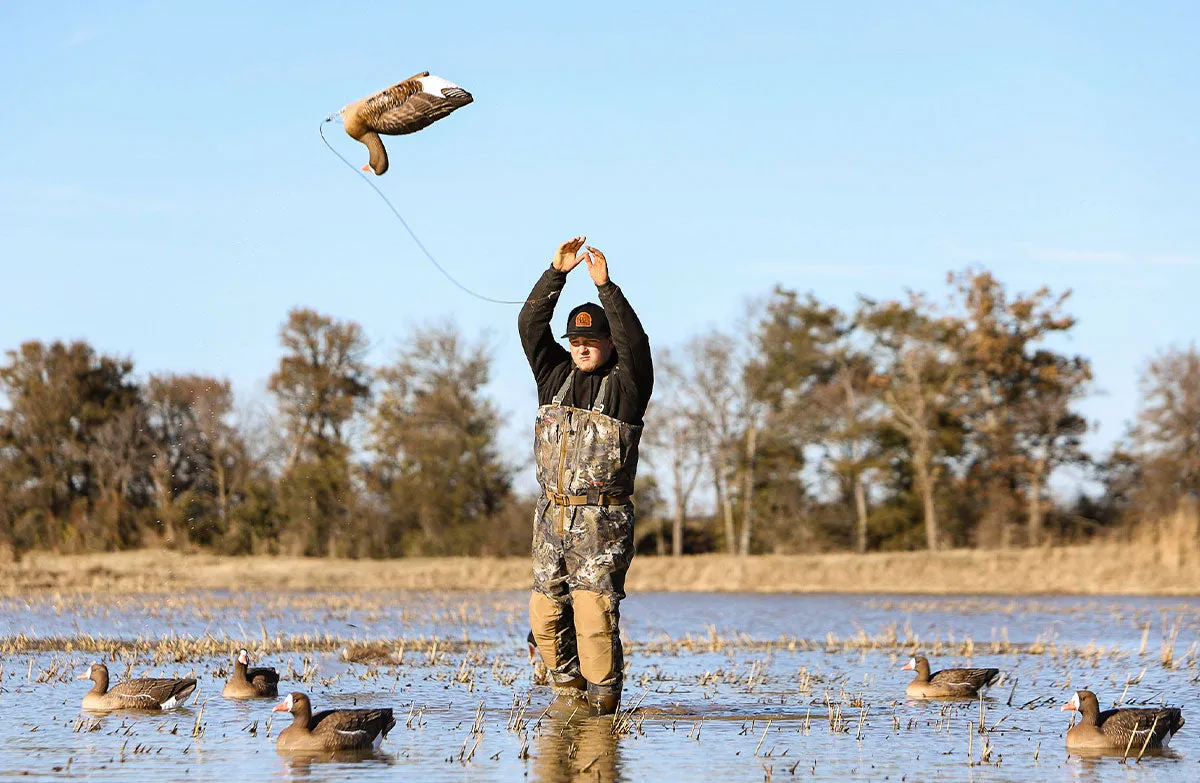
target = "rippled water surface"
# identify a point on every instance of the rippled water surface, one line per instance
(721, 687)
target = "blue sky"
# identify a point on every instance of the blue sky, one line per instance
(165, 194)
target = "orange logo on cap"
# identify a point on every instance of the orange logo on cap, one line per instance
(583, 320)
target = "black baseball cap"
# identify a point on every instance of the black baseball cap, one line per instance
(587, 320)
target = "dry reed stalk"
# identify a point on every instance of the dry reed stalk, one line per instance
(1129, 744)
(763, 737)
(1148, 738)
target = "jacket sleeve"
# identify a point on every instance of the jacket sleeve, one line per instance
(632, 344)
(544, 353)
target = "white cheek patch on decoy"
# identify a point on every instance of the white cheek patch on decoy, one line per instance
(289, 703)
(1074, 702)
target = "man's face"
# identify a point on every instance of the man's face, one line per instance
(590, 353)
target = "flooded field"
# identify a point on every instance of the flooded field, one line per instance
(720, 687)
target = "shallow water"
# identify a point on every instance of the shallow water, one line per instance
(728, 687)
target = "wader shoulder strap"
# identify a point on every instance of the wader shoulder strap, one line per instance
(598, 407)
(562, 391)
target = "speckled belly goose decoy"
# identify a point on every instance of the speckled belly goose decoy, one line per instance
(140, 694)
(1113, 729)
(331, 730)
(947, 683)
(246, 683)
(403, 108)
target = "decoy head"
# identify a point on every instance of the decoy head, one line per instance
(94, 671)
(243, 657)
(1083, 702)
(911, 666)
(287, 705)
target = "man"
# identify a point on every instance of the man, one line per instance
(589, 421)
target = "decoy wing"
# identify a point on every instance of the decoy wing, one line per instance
(263, 679)
(413, 104)
(150, 693)
(1159, 724)
(352, 728)
(967, 678)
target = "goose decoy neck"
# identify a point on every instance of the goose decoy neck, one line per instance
(376, 150)
(1088, 706)
(300, 707)
(99, 676)
(920, 665)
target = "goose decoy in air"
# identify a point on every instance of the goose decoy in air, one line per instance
(947, 683)
(331, 730)
(1114, 729)
(139, 694)
(247, 683)
(407, 107)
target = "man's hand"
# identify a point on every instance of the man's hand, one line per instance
(565, 259)
(597, 265)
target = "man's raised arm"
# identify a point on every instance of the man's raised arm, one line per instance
(541, 349)
(628, 336)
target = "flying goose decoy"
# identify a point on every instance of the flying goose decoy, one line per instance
(403, 108)
(947, 683)
(139, 694)
(331, 730)
(247, 683)
(1114, 729)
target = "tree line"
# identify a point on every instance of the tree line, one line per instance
(897, 424)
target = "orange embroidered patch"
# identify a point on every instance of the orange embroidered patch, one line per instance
(583, 320)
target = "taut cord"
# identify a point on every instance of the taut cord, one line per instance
(404, 223)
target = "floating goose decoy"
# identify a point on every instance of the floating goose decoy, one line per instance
(1113, 729)
(331, 729)
(248, 683)
(140, 694)
(403, 108)
(947, 683)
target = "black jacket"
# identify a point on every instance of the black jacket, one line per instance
(633, 377)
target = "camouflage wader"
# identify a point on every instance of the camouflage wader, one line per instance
(582, 544)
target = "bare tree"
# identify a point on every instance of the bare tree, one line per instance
(677, 441)
(918, 378)
(322, 381)
(1167, 431)
(711, 387)
(434, 440)
(1048, 432)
